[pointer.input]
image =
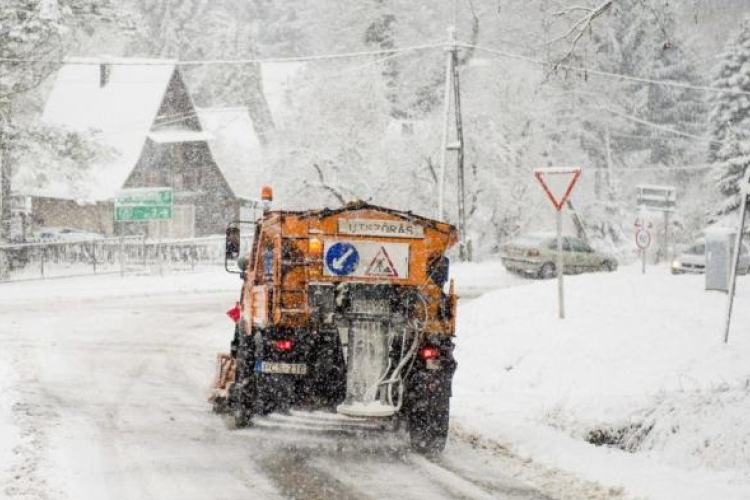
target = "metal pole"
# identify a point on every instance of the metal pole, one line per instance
(158, 252)
(122, 256)
(93, 255)
(446, 113)
(143, 253)
(463, 250)
(735, 263)
(666, 237)
(561, 299)
(643, 261)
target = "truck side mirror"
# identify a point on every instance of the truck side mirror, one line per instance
(232, 243)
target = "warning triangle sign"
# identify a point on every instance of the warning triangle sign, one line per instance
(382, 265)
(558, 183)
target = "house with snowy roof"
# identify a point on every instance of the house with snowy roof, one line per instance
(141, 110)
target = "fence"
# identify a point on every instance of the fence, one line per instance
(129, 254)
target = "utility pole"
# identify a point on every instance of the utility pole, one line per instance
(464, 251)
(4, 206)
(446, 120)
(452, 83)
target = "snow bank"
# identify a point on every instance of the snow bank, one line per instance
(97, 287)
(639, 362)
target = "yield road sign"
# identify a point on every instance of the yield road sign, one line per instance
(642, 239)
(558, 183)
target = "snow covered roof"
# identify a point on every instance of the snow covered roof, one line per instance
(122, 110)
(235, 147)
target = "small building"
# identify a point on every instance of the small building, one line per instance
(142, 111)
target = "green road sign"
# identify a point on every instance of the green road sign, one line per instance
(125, 214)
(143, 204)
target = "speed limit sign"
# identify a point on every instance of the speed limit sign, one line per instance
(642, 239)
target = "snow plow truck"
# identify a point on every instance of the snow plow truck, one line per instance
(345, 310)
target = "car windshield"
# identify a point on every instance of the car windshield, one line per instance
(531, 240)
(697, 249)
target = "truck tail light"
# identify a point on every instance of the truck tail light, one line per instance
(284, 345)
(532, 253)
(429, 352)
(234, 313)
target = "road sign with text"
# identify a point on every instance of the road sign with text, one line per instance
(144, 204)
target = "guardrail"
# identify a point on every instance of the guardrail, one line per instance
(127, 254)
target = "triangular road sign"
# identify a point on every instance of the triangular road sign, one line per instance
(558, 183)
(382, 265)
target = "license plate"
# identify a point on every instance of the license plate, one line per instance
(281, 368)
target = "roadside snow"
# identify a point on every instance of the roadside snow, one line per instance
(639, 359)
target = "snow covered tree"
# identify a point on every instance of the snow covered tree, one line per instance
(729, 154)
(34, 36)
(203, 29)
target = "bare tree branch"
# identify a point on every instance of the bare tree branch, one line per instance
(577, 29)
(334, 191)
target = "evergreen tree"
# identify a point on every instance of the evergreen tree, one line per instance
(729, 154)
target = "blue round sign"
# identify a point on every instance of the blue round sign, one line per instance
(342, 258)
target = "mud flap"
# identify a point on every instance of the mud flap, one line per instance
(226, 372)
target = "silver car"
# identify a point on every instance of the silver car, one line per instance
(693, 260)
(536, 255)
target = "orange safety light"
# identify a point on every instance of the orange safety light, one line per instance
(266, 194)
(316, 246)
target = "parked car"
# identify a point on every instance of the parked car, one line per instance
(536, 255)
(693, 259)
(52, 234)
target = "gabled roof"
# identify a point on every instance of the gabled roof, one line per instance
(123, 111)
(235, 147)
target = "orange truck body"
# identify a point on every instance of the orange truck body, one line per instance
(287, 258)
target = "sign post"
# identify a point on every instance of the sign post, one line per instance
(558, 183)
(659, 199)
(145, 204)
(744, 192)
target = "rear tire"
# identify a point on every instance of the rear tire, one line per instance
(609, 266)
(244, 391)
(428, 427)
(548, 271)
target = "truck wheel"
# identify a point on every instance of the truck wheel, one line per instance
(428, 427)
(244, 390)
(548, 271)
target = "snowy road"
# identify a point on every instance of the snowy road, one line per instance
(108, 402)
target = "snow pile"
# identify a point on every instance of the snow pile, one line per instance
(639, 364)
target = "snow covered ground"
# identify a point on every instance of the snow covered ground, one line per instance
(639, 362)
(103, 382)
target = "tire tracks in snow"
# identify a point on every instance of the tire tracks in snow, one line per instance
(32, 414)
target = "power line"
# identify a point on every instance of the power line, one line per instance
(213, 62)
(608, 74)
(303, 85)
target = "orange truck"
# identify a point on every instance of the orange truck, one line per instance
(345, 310)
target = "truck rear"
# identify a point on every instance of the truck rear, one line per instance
(346, 310)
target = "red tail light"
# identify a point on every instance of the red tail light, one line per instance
(429, 352)
(284, 345)
(532, 253)
(234, 313)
